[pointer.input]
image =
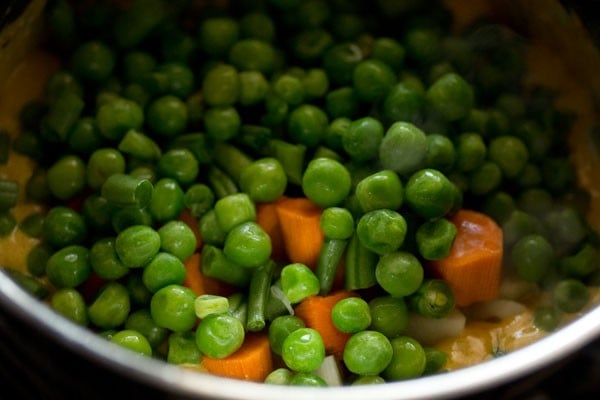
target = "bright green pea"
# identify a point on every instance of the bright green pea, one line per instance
(163, 270)
(382, 231)
(66, 177)
(264, 180)
(382, 189)
(70, 303)
(167, 200)
(298, 282)
(133, 341)
(362, 139)
(69, 267)
(103, 163)
(280, 328)
(219, 335)
(435, 237)
(307, 379)
(399, 273)
(430, 193)
(351, 315)
(367, 353)
(111, 307)
(142, 322)
(435, 360)
(389, 315)
(63, 226)
(408, 360)
(307, 125)
(183, 349)
(233, 210)
(279, 376)
(137, 245)
(326, 182)
(179, 164)
(117, 117)
(178, 239)
(337, 223)
(368, 380)
(303, 350)
(247, 245)
(403, 148)
(172, 307)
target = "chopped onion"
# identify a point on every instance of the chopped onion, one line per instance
(278, 294)
(495, 309)
(429, 331)
(330, 371)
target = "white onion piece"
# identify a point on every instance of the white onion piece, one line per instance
(278, 294)
(330, 371)
(429, 331)
(495, 310)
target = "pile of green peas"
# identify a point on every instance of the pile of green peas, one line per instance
(371, 110)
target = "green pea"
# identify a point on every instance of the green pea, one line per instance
(532, 257)
(351, 315)
(216, 35)
(403, 103)
(105, 261)
(103, 163)
(183, 349)
(307, 379)
(326, 182)
(303, 350)
(367, 353)
(547, 318)
(315, 83)
(510, 153)
(233, 210)
(253, 87)
(179, 164)
(382, 189)
(408, 360)
(64, 226)
(66, 177)
(382, 231)
(85, 137)
(388, 50)
(69, 267)
(247, 245)
(111, 307)
(222, 123)
(280, 328)
(362, 139)
(399, 273)
(7, 223)
(132, 340)
(581, 264)
(289, 88)
(93, 61)
(264, 180)
(37, 259)
(389, 315)
(499, 205)
(167, 116)
(279, 376)
(341, 102)
(253, 55)
(470, 151)
(219, 335)
(434, 238)
(430, 194)
(70, 303)
(570, 295)
(422, 43)
(298, 282)
(310, 44)
(403, 148)
(340, 60)
(178, 239)
(199, 198)
(137, 245)
(485, 179)
(307, 125)
(372, 80)
(337, 223)
(172, 307)
(368, 380)
(450, 96)
(142, 322)
(117, 117)
(435, 360)
(167, 201)
(163, 270)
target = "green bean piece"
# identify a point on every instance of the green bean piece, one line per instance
(31, 145)
(264, 180)
(359, 266)
(570, 295)
(429, 193)
(434, 238)
(581, 264)
(367, 353)
(254, 137)
(9, 192)
(258, 293)
(247, 244)
(216, 265)
(219, 335)
(433, 299)
(167, 200)
(196, 143)
(303, 350)
(117, 117)
(125, 217)
(105, 261)
(232, 160)
(125, 190)
(70, 304)
(298, 282)
(183, 349)
(140, 146)
(291, 156)
(29, 284)
(234, 210)
(408, 360)
(332, 253)
(172, 307)
(238, 307)
(137, 245)
(62, 115)
(132, 340)
(210, 230)
(63, 226)
(403, 148)
(137, 22)
(66, 177)
(141, 321)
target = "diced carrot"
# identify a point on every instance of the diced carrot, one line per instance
(300, 221)
(266, 217)
(202, 284)
(315, 311)
(252, 362)
(191, 221)
(473, 267)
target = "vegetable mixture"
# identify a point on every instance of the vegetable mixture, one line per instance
(294, 192)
